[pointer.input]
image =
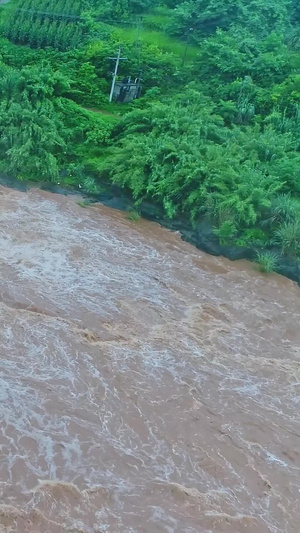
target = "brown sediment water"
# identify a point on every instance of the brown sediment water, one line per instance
(145, 386)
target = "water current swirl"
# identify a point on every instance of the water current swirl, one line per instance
(145, 386)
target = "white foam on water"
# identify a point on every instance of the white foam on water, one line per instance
(141, 381)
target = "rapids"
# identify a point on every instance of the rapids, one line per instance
(145, 386)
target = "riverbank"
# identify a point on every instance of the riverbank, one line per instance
(202, 236)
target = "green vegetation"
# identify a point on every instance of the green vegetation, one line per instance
(42, 23)
(84, 203)
(91, 187)
(267, 261)
(161, 40)
(226, 232)
(214, 137)
(134, 216)
(287, 237)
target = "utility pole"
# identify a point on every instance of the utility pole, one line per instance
(188, 33)
(117, 60)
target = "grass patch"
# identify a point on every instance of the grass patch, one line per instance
(134, 216)
(287, 236)
(161, 40)
(267, 261)
(84, 203)
(110, 112)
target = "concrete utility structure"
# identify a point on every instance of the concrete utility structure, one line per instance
(127, 90)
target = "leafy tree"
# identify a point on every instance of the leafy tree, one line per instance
(206, 16)
(29, 136)
(192, 166)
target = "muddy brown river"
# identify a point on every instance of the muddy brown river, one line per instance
(145, 386)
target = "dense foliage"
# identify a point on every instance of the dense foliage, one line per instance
(215, 135)
(43, 23)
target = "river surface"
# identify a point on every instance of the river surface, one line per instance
(145, 386)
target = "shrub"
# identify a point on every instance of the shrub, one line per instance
(225, 232)
(267, 261)
(90, 186)
(287, 237)
(254, 237)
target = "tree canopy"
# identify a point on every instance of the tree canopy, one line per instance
(215, 135)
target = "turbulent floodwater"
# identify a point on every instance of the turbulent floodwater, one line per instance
(144, 386)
